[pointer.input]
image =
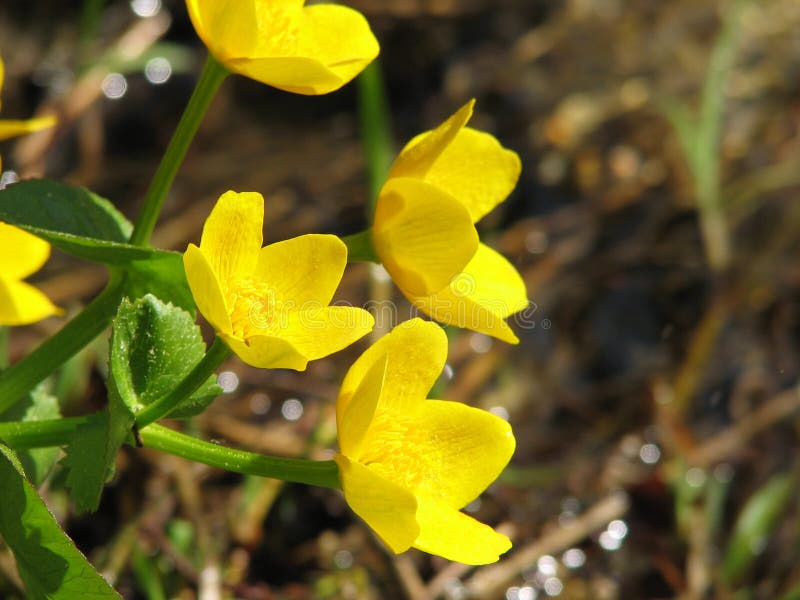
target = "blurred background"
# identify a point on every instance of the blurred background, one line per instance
(654, 392)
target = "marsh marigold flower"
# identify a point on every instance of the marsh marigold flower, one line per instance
(440, 185)
(270, 305)
(301, 49)
(407, 464)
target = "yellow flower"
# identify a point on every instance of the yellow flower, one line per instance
(443, 182)
(305, 50)
(20, 255)
(408, 465)
(270, 305)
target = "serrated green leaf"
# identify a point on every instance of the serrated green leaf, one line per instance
(48, 562)
(89, 462)
(163, 276)
(38, 406)
(153, 347)
(755, 524)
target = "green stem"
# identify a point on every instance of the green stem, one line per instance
(360, 248)
(216, 355)
(57, 432)
(21, 378)
(376, 129)
(22, 435)
(210, 79)
(311, 472)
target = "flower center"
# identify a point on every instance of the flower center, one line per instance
(396, 450)
(252, 305)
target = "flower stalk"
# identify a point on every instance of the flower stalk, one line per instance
(211, 78)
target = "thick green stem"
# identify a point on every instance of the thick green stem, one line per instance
(216, 355)
(22, 435)
(319, 473)
(360, 248)
(376, 129)
(21, 378)
(210, 79)
(57, 432)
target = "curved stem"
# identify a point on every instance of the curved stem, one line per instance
(21, 378)
(216, 355)
(320, 473)
(376, 129)
(210, 79)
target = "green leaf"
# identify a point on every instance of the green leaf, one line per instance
(153, 347)
(71, 218)
(755, 524)
(49, 563)
(89, 462)
(163, 276)
(38, 406)
(61, 208)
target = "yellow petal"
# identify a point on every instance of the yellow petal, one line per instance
(421, 152)
(305, 269)
(21, 253)
(227, 27)
(423, 237)
(457, 451)
(206, 289)
(415, 351)
(312, 50)
(267, 352)
(319, 332)
(476, 170)
(387, 508)
(295, 74)
(453, 535)
(339, 38)
(232, 236)
(357, 418)
(21, 304)
(480, 298)
(9, 128)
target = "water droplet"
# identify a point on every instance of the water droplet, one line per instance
(547, 565)
(609, 542)
(500, 411)
(260, 403)
(480, 343)
(574, 558)
(114, 86)
(158, 70)
(228, 381)
(618, 528)
(695, 477)
(343, 559)
(7, 178)
(553, 586)
(145, 8)
(292, 409)
(650, 454)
